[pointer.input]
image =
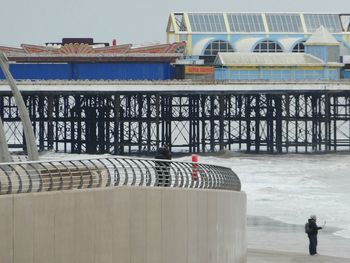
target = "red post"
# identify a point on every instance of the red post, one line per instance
(194, 167)
(114, 43)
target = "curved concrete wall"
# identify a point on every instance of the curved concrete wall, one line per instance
(124, 224)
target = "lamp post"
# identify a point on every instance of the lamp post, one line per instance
(32, 149)
(4, 150)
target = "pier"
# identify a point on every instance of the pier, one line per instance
(126, 118)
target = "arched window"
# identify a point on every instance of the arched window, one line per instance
(299, 47)
(218, 46)
(267, 46)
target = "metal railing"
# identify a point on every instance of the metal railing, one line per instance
(40, 176)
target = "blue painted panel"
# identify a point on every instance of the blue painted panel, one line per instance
(39, 71)
(221, 74)
(123, 71)
(333, 74)
(346, 74)
(277, 75)
(92, 71)
(209, 37)
(318, 51)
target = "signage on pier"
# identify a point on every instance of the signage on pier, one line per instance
(199, 70)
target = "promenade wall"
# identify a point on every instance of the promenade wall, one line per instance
(124, 224)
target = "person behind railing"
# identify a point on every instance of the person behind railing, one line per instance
(163, 168)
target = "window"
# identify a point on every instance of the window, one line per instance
(246, 22)
(345, 21)
(267, 47)
(217, 46)
(284, 23)
(299, 47)
(331, 22)
(180, 22)
(207, 22)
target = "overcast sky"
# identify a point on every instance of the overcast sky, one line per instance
(128, 21)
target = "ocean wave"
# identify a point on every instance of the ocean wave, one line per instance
(345, 233)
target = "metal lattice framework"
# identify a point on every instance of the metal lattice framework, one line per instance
(138, 122)
(41, 176)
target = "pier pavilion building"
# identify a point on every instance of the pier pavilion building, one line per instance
(78, 59)
(206, 34)
(319, 61)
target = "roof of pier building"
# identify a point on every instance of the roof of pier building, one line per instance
(270, 60)
(82, 52)
(322, 37)
(226, 22)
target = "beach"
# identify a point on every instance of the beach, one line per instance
(268, 256)
(273, 241)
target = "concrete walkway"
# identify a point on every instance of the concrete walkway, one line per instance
(267, 256)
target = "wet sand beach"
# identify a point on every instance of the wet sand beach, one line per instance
(268, 256)
(269, 240)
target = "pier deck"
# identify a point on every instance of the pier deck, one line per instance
(137, 117)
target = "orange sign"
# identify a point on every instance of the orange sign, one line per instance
(199, 70)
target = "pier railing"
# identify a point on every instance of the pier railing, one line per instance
(41, 176)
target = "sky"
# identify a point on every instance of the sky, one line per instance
(128, 21)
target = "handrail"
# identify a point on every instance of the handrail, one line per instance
(57, 175)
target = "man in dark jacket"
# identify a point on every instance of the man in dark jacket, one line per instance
(163, 168)
(312, 234)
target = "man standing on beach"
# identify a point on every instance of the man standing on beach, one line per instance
(311, 229)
